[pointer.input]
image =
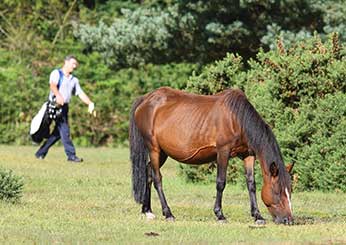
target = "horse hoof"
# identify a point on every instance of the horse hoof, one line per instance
(150, 216)
(222, 221)
(170, 219)
(260, 222)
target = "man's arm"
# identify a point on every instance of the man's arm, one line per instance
(87, 101)
(85, 98)
(59, 98)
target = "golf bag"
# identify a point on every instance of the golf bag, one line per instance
(40, 124)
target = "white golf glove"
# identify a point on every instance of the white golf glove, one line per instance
(91, 107)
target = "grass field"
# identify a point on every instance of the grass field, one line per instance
(91, 203)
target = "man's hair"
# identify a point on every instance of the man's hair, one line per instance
(69, 57)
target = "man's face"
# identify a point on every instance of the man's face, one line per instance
(71, 64)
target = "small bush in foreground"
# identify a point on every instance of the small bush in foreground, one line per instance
(11, 186)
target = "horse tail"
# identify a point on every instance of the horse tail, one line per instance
(138, 156)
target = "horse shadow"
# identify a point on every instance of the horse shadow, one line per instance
(313, 220)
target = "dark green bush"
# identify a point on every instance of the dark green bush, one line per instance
(19, 93)
(11, 186)
(300, 92)
(309, 70)
(226, 73)
(321, 159)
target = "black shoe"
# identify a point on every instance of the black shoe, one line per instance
(41, 157)
(74, 159)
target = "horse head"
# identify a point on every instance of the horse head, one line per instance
(276, 193)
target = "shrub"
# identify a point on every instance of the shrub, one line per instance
(322, 156)
(17, 107)
(300, 92)
(11, 186)
(226, 73)
(309, 70)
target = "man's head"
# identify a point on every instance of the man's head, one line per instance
(70, 63)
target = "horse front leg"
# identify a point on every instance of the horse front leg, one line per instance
(157, 160)
(222, 162)
(251, 186)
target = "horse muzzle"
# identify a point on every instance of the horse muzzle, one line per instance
(284, 220)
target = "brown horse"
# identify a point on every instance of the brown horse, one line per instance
(197, 129)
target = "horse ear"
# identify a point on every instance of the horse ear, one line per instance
(289, 168)
(274, 170)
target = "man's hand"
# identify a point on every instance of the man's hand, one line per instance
(59, 100)
(91, 107)
(58, 97)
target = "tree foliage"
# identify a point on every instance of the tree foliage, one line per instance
(203, 31)
(132, 41)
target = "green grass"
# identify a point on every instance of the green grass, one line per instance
(92, 203)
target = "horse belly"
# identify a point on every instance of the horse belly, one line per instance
(202, 156)
(191, 155)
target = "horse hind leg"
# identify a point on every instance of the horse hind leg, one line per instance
(146, 207)
(157, 159)
(251, 185)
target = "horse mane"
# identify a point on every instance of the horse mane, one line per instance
(260, 137)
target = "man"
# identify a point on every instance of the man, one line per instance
(62, 91)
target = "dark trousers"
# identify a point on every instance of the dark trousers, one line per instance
(61, 131)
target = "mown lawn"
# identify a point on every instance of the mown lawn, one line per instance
(91, 203)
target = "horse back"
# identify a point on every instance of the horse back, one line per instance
(170, 104)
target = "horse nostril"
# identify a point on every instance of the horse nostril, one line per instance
(285, 221)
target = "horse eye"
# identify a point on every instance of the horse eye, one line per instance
(267, 205)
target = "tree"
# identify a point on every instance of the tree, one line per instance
(197, 31)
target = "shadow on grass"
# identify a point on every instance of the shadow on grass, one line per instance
(310, 220)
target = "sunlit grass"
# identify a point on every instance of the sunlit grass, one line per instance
(92, 203)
